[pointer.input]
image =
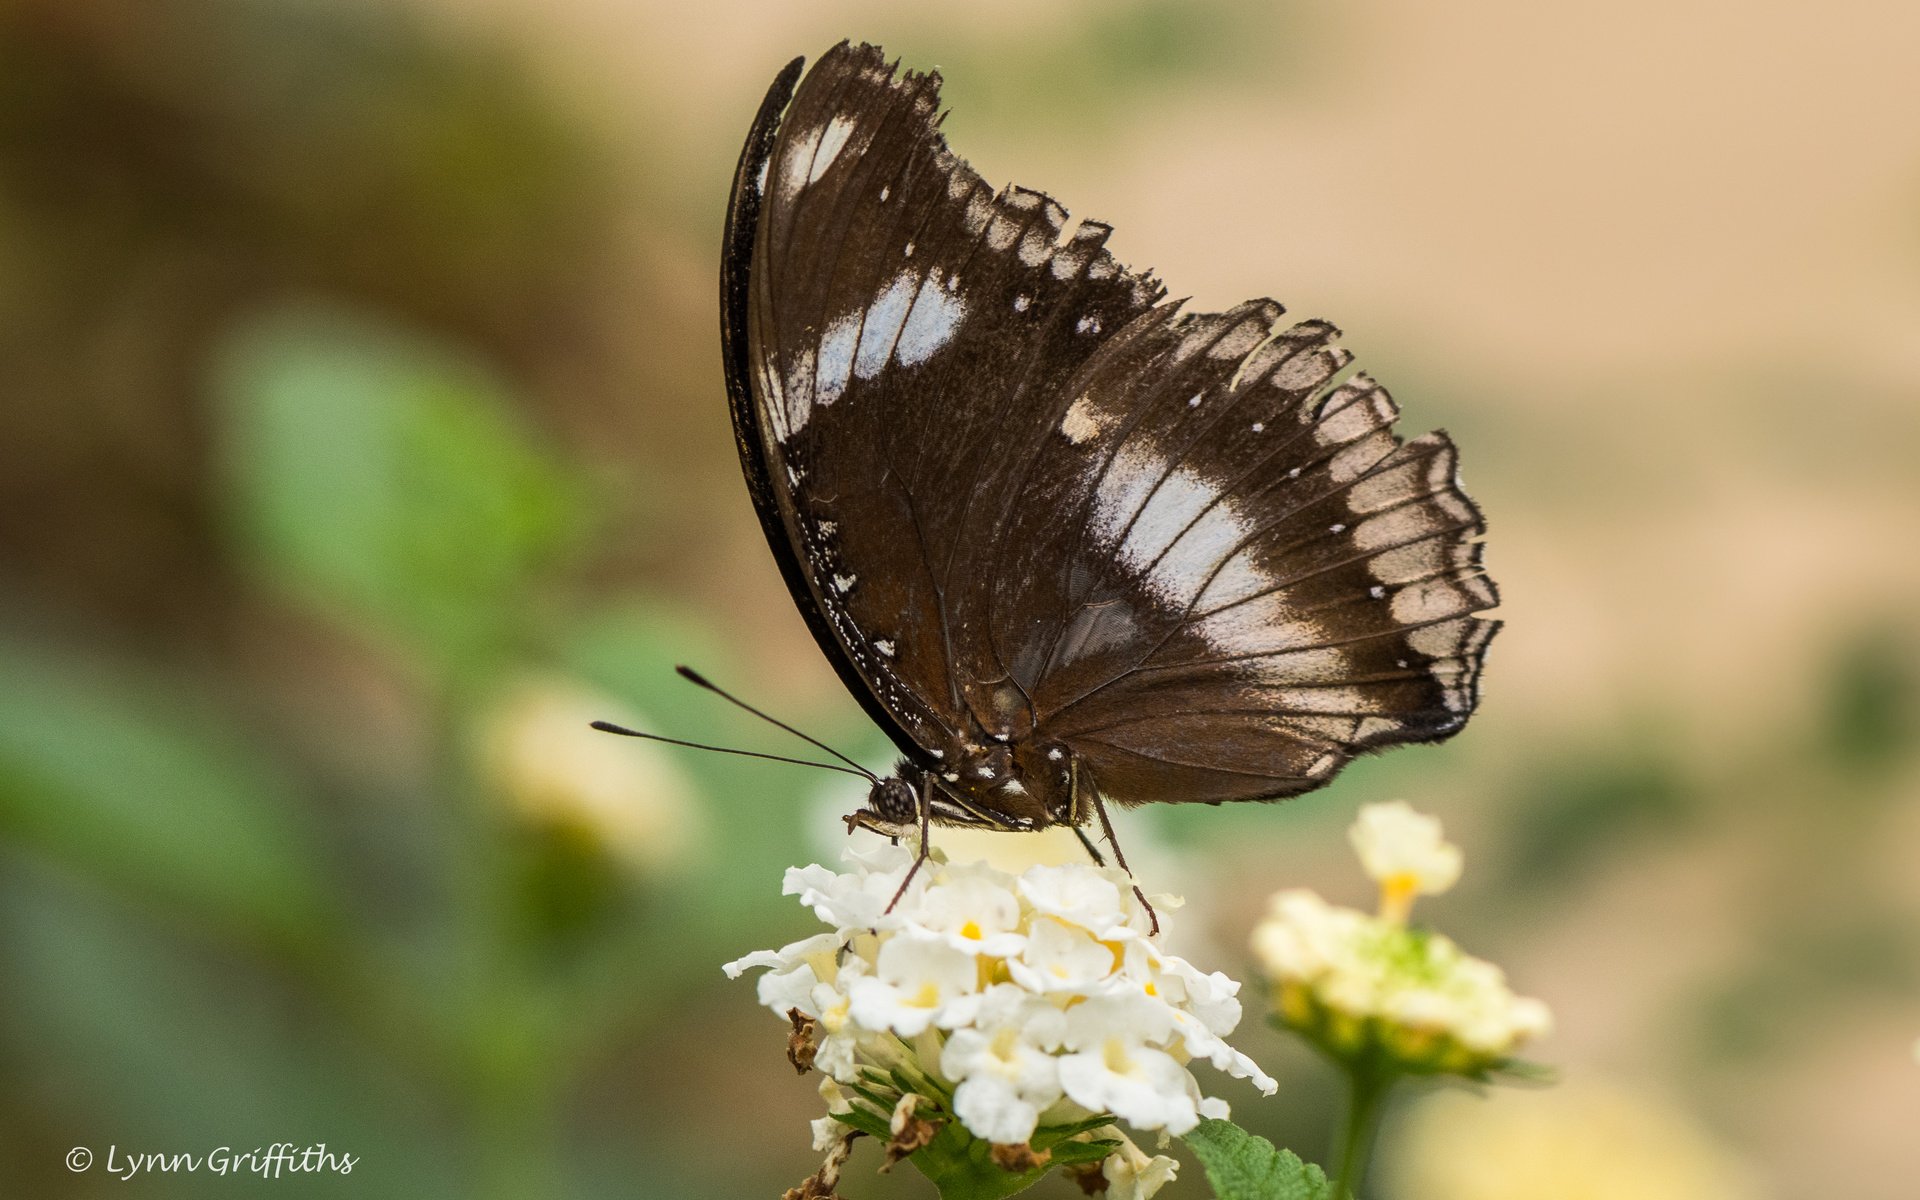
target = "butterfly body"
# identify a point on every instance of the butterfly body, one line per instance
(1066, 543)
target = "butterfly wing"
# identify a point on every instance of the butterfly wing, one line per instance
(1015, 493)
(1247, 577)
(893, 326)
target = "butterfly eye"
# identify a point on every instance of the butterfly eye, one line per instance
(892, 799)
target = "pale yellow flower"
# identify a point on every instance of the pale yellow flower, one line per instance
(539, 753)
(1404, 851)
(1576, 1141)
(1372, 988)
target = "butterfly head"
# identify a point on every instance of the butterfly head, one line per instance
(892, 808)
(991, 786)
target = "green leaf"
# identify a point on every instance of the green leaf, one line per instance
(153, 1032)
(389, 482)
(1048, 1135)
(962, 1168)
(1242, 1166)
(1067, 1154)
(866, 1121)
(131, 782)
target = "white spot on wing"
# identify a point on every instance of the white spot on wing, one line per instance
(1439, 640)
(832, 140)
(1354, 419)
(1242, 338)
(1129, 478)
(794, 403)
(1035, 246)
(1171, 536)
(885, 316)
(1353, 461)
(1429, 600)
(930, 324)
(795, 168)
(844, 583)
(1262, 625)
(1181, 497)
(1082, 422)
(836, 358)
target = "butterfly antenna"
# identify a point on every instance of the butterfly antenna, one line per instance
(694, 677)
(623, 731)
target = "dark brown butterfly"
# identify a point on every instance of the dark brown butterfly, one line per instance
(1064, 542)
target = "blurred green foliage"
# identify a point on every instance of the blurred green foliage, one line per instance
(1872, 704)
(391, 483)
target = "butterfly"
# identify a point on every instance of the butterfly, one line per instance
(1066, 543)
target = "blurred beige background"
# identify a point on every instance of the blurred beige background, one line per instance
(1657, 267)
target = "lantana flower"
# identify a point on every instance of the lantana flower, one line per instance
(540, 754)
(1372, 989)
(1026, 1012)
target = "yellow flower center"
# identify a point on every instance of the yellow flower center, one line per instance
(834, 1019)
(971, 930)
(1396, 896)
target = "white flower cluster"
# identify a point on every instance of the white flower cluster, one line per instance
(1360, 984)
(1023, 1002)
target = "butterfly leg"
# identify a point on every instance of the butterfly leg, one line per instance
(1119, 856)
(926, 846)
(1093, 851)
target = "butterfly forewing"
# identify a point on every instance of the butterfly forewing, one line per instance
(1021, 498)
(904, 323)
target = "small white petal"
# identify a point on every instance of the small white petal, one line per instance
(827, 1133)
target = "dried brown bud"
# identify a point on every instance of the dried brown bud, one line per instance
(910, 1132)
(1091, 1178)
(800, 1047)
(821, 1184)
(1019, 1157)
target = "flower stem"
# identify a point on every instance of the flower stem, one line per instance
(1368, 1096)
